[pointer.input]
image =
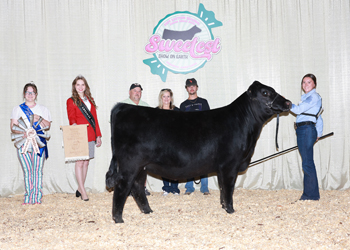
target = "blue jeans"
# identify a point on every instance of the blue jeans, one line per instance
(204, 185)
(170, 186)
(306, 138)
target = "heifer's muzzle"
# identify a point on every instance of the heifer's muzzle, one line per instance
(287, 103)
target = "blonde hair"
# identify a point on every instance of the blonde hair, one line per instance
(87, 93)
(160, 100)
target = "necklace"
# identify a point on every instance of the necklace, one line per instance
(193, 101)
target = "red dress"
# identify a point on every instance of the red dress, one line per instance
(76, 116)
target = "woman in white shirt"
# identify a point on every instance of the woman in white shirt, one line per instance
(32, 163)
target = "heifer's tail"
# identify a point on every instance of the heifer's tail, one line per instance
(111, 175)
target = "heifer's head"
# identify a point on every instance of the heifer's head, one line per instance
(267, 99)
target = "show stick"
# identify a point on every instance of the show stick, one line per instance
(286, 151)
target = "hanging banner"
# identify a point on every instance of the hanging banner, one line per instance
(183, 42)
(75, 140)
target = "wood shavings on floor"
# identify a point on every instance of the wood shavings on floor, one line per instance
(262, 220)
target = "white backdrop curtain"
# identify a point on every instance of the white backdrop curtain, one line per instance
(273, 41)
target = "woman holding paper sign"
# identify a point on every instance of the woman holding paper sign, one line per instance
(27, 121)
(81, 109)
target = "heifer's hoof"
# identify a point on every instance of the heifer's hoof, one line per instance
(148, 211)
(118, 220)
(230, 210)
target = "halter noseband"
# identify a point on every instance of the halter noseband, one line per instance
(269, 104)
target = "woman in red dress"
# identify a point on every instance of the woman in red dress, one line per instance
(81, 109)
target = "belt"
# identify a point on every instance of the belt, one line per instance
(299, 124)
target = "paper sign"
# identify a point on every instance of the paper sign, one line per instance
(75, 140)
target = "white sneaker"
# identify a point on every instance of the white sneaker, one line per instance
(165, 193)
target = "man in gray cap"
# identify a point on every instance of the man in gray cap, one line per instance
(195, 103)
(135, 93)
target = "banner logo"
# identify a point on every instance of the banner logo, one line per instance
(183, 42)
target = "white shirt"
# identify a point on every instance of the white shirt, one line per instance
(87, 102)
(37, 109)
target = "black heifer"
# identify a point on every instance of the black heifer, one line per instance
(180, 145)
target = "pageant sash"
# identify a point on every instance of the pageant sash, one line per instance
(27, 111)
(87, 114)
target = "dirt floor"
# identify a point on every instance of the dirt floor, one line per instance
(263, 220)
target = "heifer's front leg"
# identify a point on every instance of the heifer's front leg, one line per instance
(227, 179)
(138, 191)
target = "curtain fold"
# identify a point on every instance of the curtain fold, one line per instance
(275, 42)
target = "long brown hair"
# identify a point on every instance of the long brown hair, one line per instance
(87, 93)
(312, 76)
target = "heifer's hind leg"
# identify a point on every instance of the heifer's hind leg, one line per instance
(221, 190)
(123, 183)
(227, 180)
(138, 191)
(118, 206)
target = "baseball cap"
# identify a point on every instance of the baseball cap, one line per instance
(135, 85)
(191, 82)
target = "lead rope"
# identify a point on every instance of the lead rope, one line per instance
(269, 104)
(278, 116)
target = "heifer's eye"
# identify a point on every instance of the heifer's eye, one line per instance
(264, 93)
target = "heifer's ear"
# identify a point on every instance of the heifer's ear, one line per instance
(252, 90)
(256, 82)
(249, 92)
